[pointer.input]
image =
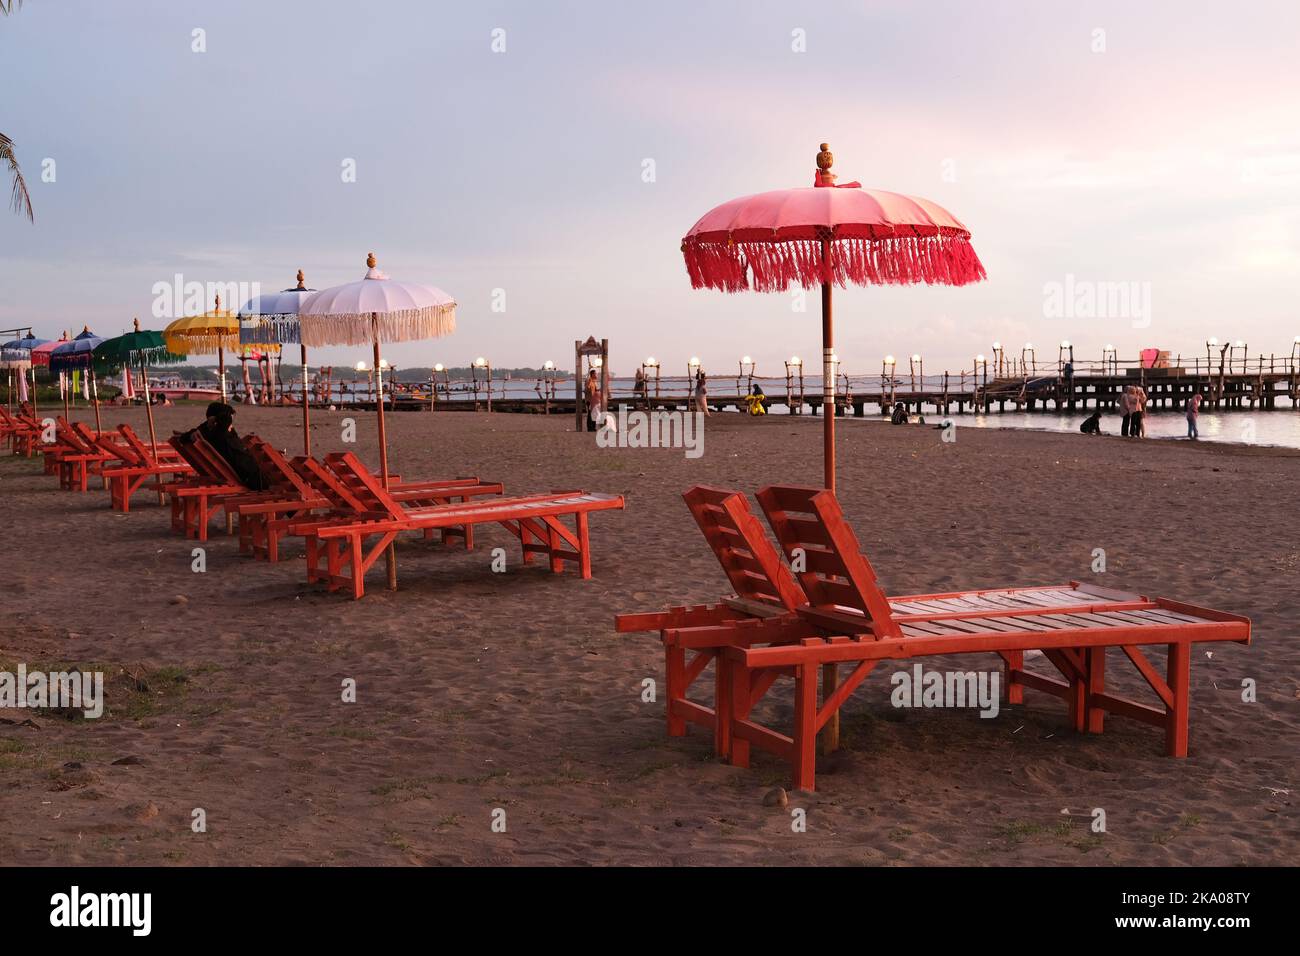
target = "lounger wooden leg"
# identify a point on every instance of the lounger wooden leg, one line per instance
(584, 544)
(358, 567)
(675, 678)
(1013, 662)
(333, 562)
(721, 705)
(230, 522)
(1096, 664)
(740, 678)
(553, 550)
(204, 518)
(313, 562)
(805, 726)
(271, 541)
(831, 729)
(1179, 678)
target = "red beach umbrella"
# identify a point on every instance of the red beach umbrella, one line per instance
(827, 235)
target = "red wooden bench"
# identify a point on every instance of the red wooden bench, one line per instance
(135, 466)
(847, 619)
(335, 545)
(322, 495)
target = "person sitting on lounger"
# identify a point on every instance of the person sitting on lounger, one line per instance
(218, 430)
(1092, 424)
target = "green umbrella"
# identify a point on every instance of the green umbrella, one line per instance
(144, 348)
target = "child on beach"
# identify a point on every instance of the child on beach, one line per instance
(1092, 424)
(1193, 412)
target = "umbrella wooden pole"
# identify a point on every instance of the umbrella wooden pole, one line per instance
(221, 370)
(65, 386)
(390, 556)
(94, 397)
(830, 672)
(33, 367)
(306, 406)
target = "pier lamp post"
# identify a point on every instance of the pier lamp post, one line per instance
(1239, 345)
(370, 379)
(379, 378)
(1210, 345)
(835, 377)
(692, 369)
(887, 375)
(1064, 354)
(651, 364)
(1028, 359)
(793, 374)
(915, 366)
(485, 366)
(1295, 355)
(441, 375)
(1109, 360)
(998, 355)
(981, 371)
(746, 363)
(548, 385)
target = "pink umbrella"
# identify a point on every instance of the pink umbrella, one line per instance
(828, 235)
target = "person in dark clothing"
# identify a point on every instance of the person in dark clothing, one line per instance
(218, 430)
(900, 414)
(1092, 424)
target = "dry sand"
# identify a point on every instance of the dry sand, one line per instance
(479, 691)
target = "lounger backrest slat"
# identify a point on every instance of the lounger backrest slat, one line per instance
(206, 461)
(751, 563)
(812, 532)
(275, 469)
(325, 483)
(363, 483)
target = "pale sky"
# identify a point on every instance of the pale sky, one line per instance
(1164, 151)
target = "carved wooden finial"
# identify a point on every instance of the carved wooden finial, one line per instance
(824, 175)
(300, 281)
(371, 260)
(218, 302)
(136, 323)
(85, 329)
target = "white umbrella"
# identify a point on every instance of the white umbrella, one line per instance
(273, 319)
(370, 311)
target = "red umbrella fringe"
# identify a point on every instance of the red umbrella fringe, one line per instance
(773, 266)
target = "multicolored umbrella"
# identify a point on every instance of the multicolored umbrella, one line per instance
(41, 353)
(208, 334)
(144, 348)
(370, 311)
(828, 234)
(16, 355)
(273, 319)
(79, 356)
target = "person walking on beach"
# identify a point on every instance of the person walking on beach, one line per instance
(1137, 428)
(702, 393)
(592, 392)
(640, 387)
(1126, 405)
(1193, 412)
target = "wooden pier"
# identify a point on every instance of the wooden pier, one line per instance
(1263, 387)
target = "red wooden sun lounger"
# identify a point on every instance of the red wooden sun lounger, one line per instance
(135, 466)
(75, 456)
(848, 620)
(208, 491)
(333, 546)
(328, 495)
(24, 433)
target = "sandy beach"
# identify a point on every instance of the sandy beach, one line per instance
(478, 691)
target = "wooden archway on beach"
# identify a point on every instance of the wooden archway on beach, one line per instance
(590, 348)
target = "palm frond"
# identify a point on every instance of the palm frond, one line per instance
(20, 200)
(9, 6)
